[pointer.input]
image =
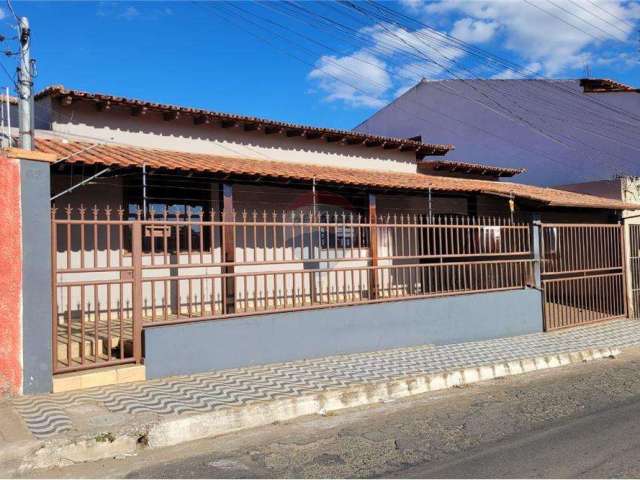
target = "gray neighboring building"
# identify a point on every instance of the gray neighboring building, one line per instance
(561, 131)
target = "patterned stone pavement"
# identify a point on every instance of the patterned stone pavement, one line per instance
(48, 416)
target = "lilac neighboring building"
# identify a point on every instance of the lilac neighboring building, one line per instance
(561, 131)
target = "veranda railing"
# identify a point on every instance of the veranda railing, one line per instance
(116, 271)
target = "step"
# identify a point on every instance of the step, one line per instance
(98, 377)
(102, 349)
(75, 348)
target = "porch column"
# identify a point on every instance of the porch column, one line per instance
(536, 249)
(25, 273)
(228, 247)
(373, 247)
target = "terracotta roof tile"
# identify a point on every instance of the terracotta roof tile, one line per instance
(106, 154)
(349, 136)
(600, 85)
(455, 166)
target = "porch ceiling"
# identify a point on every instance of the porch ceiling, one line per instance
(128, 156)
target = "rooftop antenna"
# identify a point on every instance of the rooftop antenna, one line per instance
(587, 70)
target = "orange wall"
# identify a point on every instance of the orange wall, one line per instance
(10, 278)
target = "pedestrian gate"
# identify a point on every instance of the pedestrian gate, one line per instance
(634, 250)
(582, 274)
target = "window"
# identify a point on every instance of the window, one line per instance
(339, 235)
(157, 238)
(490, 237)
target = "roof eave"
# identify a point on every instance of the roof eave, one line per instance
(246, 123)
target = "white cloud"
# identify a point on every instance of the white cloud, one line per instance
(359, 80)
(130, 13)
(542, 31)
(122, 11)
(391, 41)
(622, 60)
(394, 60)
(411, 4)
(474, 31)
(371, 81)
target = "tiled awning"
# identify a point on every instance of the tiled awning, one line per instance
(110, 154)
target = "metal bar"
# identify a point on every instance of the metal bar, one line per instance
(229, 247)
(79, 184)
(373, 246)
(54, 295)
(136, 297)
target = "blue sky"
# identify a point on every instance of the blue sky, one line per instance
(290, 62)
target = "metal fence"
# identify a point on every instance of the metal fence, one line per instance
(582, 274)
(115, 271)
(634, 249)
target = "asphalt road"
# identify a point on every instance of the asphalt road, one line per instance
(576, 421)
(600, 445)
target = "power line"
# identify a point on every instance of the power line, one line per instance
(263, 40)
(423, 55)
(542, 154)
(13, 12)
(592, 13)
(512, 66)
(595, 4)
(469, 49)
(583, 20)
(237, 152)
(509, 111)
(11, 78)
(551, 14)
(332, 22)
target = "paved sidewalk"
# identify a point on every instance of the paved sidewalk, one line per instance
(102, 408)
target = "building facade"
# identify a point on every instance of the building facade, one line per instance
(181, 240)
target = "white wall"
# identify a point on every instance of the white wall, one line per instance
(151, 131)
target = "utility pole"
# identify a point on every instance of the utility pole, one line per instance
(25, 90)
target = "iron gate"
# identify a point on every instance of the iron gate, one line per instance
(582, 274)
(634, 254)
(95, 319)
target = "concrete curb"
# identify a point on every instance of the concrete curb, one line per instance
(175, 429)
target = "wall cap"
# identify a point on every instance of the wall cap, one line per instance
(31, 155)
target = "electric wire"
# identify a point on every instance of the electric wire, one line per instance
(353, 86)
(607, 33)
(593, 14)
(595, 4)
(493, 58)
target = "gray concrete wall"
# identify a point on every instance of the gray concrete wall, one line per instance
(254, 340)
(36, 276)
(601, 188)
(458, 112)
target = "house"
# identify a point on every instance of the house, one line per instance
(175, 240)
(560, 131)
